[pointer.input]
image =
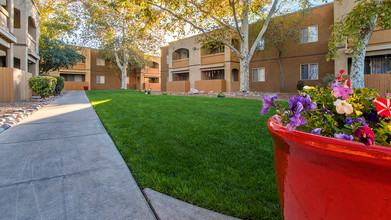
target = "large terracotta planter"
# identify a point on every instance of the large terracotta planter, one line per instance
(327, 178)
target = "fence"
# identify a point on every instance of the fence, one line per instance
(14, 85)
(70, 85)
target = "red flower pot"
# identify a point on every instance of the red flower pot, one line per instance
(326, 178)
(85, 87)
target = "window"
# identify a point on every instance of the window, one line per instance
(100, 62)
(100, 79)
(309, 71)
(259, 74)
(73, 77)
(235, 75)
(261, 45)
(309, 34)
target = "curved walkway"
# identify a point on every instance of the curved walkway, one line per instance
(60, 163)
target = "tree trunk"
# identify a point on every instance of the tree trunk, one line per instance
(357, 72)
(244, 75)
(281, 74)
(123, 80)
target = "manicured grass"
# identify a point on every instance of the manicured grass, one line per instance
(212, 152)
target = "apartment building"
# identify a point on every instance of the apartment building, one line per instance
(377, 67)
(19, 58)
(190, 65)
(95, 73)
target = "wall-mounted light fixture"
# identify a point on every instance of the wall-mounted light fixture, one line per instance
(194, 48)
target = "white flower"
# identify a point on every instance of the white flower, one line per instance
(309, 87)
(343, 107)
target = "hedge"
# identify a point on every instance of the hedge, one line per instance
(43, 85)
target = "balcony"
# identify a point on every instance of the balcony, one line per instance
(212, 58)
(31, 44)
(71, 85)
(4, 18)
(178, 86)
(216, 85)
(181, 63)
(79, 66)
(151, 71)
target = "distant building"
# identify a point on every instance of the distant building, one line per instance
(19, 58)
(95, 73)
(188, 64)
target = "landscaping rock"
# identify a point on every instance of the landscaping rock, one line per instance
(211, 93)
(202, 92)
(36, 97)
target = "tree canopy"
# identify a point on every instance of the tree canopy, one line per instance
(56, 55)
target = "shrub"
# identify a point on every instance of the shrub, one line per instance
(300, 85)
(328, 79)
(59, 85)
(43, 85)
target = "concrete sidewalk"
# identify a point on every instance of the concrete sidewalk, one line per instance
(60, 163)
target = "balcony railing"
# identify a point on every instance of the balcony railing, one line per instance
(212, 58)
(178, 86)
(70, 85)
(31, 43)
(216, 85)
(79, 66)
(151, 71)
(180, 63)
(4, 18)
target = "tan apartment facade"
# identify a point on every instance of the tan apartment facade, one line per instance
(19, 58)
(190, 65)
(304, 59)
(95, 73)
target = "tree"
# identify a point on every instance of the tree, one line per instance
(121, 31)
(56, 55)
(281, 30)
(220, 21)
(58, 18)
(357, 27)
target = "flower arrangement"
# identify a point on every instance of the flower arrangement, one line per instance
(338, 111)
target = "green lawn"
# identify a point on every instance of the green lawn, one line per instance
(212, 152)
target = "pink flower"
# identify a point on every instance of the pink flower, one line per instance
(365, 135)
(342, 91)
(383, 107)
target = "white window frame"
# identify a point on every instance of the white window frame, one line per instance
(307, 37)
(264, 74)
(308, 64)
(100, 62)
(100, 79)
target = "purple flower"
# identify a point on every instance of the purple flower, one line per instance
(361, 120)
(268, 102)
(344, 137)
(342, 91)
(316, 131)
(348, 120)
(308, 104)
(294, 100)
(371, 117)
(296, 121)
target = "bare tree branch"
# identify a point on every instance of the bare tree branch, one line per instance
(232, 3)
(264, 27)
(196, 27)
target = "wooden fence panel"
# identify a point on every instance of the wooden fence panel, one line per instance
(14, 85)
